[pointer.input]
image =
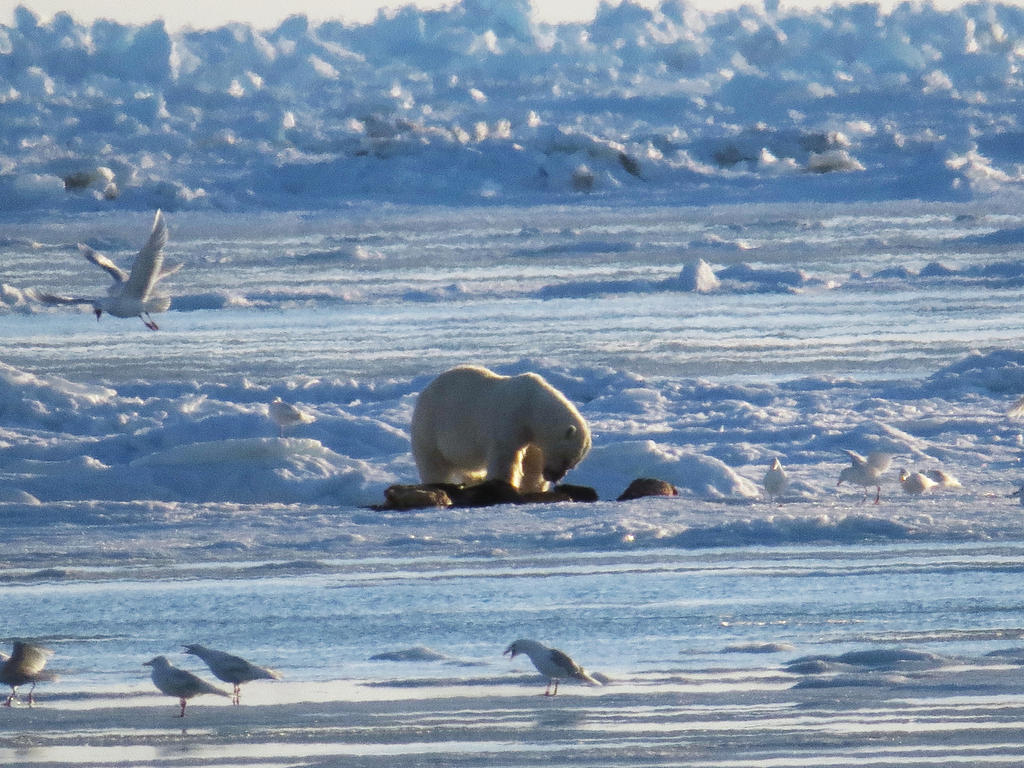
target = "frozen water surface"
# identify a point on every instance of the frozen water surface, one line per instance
(725, 237)
(149, 502)
(807, 291)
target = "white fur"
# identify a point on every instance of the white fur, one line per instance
(471, 424)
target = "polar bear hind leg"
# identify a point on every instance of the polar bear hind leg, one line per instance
(435, 468)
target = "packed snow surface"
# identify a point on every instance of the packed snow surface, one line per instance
(726, 238)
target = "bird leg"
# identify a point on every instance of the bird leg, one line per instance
(148, 322)
(236, 698)
(14, 692)
(31, 699)
(182, 708)
(549, 692)
(878, 495)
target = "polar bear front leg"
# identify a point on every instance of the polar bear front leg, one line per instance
(504, 464)
(531, 462)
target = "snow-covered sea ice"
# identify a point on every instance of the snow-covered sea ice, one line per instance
(726, 238)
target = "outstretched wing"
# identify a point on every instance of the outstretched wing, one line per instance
(147, 264)
(101, 261)
(855, 458)
(879, 461)
(167, 272)
(52, 300)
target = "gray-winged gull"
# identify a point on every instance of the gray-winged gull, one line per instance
(231, 669)
(179, 682)
(551, 663)
(131, 295)
(24, 665)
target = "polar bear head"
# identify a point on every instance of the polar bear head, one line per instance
(558, 429)
(572, 446)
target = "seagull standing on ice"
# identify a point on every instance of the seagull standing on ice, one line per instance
(24, 665)
(131, 295)
(179, 682)
(865, 472)
(231, 669)
(915, 483)
(775, 480)
(287, 415)
(550, 662)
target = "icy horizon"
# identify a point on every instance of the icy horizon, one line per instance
(482, 103)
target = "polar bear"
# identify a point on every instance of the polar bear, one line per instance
(471, 424)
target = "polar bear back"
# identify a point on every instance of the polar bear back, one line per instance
(471, 424)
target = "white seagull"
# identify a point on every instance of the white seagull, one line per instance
(865, 472)
(775, 480)
(179, 682)
(550, 662)
(131, 295)
(287, 415)
(231, 669)
(24, 665)
(915, 483)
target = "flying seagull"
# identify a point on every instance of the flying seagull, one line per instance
(231, 669)
(131, 295)
(179, 682)
(550, 662)
(865, 472)
(287, 415)
(24, 665)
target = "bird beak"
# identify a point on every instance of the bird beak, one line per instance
(510, 650)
